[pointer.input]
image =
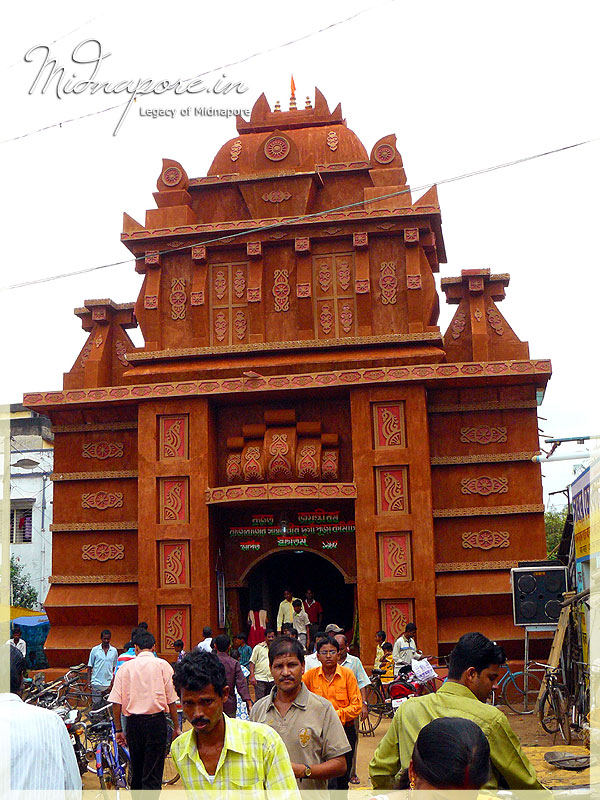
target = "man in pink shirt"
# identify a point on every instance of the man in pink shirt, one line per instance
(143, 690)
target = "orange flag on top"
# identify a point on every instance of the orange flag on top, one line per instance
(293, 87)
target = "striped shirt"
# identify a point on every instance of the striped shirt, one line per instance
(40, 757)
(253, 758)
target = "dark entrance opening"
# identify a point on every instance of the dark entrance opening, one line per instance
(299, 570)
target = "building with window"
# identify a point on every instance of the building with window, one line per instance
(31, 464)
(296, 417)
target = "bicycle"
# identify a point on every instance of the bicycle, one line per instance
(554, 704)
(518, 690)
(112, 762)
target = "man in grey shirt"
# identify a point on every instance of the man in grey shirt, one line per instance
(308, 724)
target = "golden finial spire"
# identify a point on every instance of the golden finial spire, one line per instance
(308, 104)
(277, 106)
(293, 96)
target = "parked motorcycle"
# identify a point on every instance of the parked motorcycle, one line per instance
(77, 731)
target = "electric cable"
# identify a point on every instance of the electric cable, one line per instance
(305, 217)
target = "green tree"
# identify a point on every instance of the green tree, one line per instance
(23, 593)
(555, 522)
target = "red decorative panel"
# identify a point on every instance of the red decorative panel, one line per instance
(102, 500)
(389, 428)
(281, 289)
(254, 294)
(302, 244)
(199, 252)
(395, 614)
(388, 282)
(485, 540)
(392, 490)
(330, 465)
(174, 624)
(484, 485)
(484, 434)
(98, 314)
(476, 284)
(151, 301)
(308, 460)
(240, 324)
(174, 560)
(303, 290)
(253, 470)
(102, 551)
(411, 235)
(233, 468)
(103, 450)
(121, 352)
(495, 321)
(458, 324)
(152, 258)
(220, 283)
(178, 298)
(394, 557)
(174, 500)
(197, 298)
(413, 282)
(221, 326)
(173, 437)
(280, 447)
(360, 239)
(254, 248)
(362, 287)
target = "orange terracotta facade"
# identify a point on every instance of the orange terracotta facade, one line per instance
(295, 396)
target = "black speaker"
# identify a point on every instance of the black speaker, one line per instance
(537, 594)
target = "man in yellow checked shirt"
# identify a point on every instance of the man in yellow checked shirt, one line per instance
(221, 753)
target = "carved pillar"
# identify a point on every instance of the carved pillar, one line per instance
(254, 291)
(362, 285)
(304, 304)
(414, 280)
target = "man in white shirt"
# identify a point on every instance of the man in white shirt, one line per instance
(301, 623)
(101, 668)
(40, 757)
(17, 642)
(206, 643)
(405, 649)
(286, 609)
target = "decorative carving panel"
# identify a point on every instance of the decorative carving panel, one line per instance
(174, 561)
(174, 500)
(458, 324)
(485, 540)
(495, 321)
(395, 614)
(178, 298)
(102, 500)
(389, 429)
(102, 552)
(280, 447)
(173, 438)
(102, 450)
(253, 470)
(233, 468)
(174, 624)
(330, 464)
(281, 289)
(388, 283)
(239, 283)
(392, 490)
(240, 324)
(220, 283)
(484, 434)
(151, 301)
(484, 485)
(394, 557)
(121, 352)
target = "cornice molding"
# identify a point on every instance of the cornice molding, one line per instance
(422, 373)
(95, 426)
(481, 511)
(95, 526)
(281, 491)
(93, 579)
(489, 458)
(93, 476)
(491, 405)
(470, 566)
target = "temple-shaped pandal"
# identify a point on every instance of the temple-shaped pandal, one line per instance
(295, 416)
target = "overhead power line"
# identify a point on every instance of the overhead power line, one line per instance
(306, 217)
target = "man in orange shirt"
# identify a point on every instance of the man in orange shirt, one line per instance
(143, 690)
(340, 687)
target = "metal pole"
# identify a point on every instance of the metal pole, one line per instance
(526, 670)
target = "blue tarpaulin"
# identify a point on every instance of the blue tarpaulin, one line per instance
(34, 630)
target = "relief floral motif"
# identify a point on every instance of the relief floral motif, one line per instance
(173, 433)
(458, 324)
(174, 628)
(239, 284)
(121, 352)
(220, 325)
(484, 485)
(329, 465)
(240, 325)
(326, 319)
(281, 290)
(346, 318)
(484, 434)
(307, 463)
(102, 552)
(395, 555)
(220, 284)
(233, 468)
(324, 277)
(178, 298)
(485, 540)
(252, 469)
(388, 282)
(102, 450)
(278, 450)
(102, 500)
(393, 492)
(391, 430)
(174, 566)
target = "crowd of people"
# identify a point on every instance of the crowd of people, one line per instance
(268, 715)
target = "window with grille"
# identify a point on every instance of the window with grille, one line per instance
(20, 524)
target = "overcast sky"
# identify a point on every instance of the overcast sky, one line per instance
(463, 85)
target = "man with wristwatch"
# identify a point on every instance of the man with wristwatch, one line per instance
(307, 723)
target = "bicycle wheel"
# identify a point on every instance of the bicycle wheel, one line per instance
(375, 706)
(170, 774)
(107, 778)
(563, 716)
(514, 695)
(548, 718)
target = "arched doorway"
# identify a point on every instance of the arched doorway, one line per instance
(299, 570)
